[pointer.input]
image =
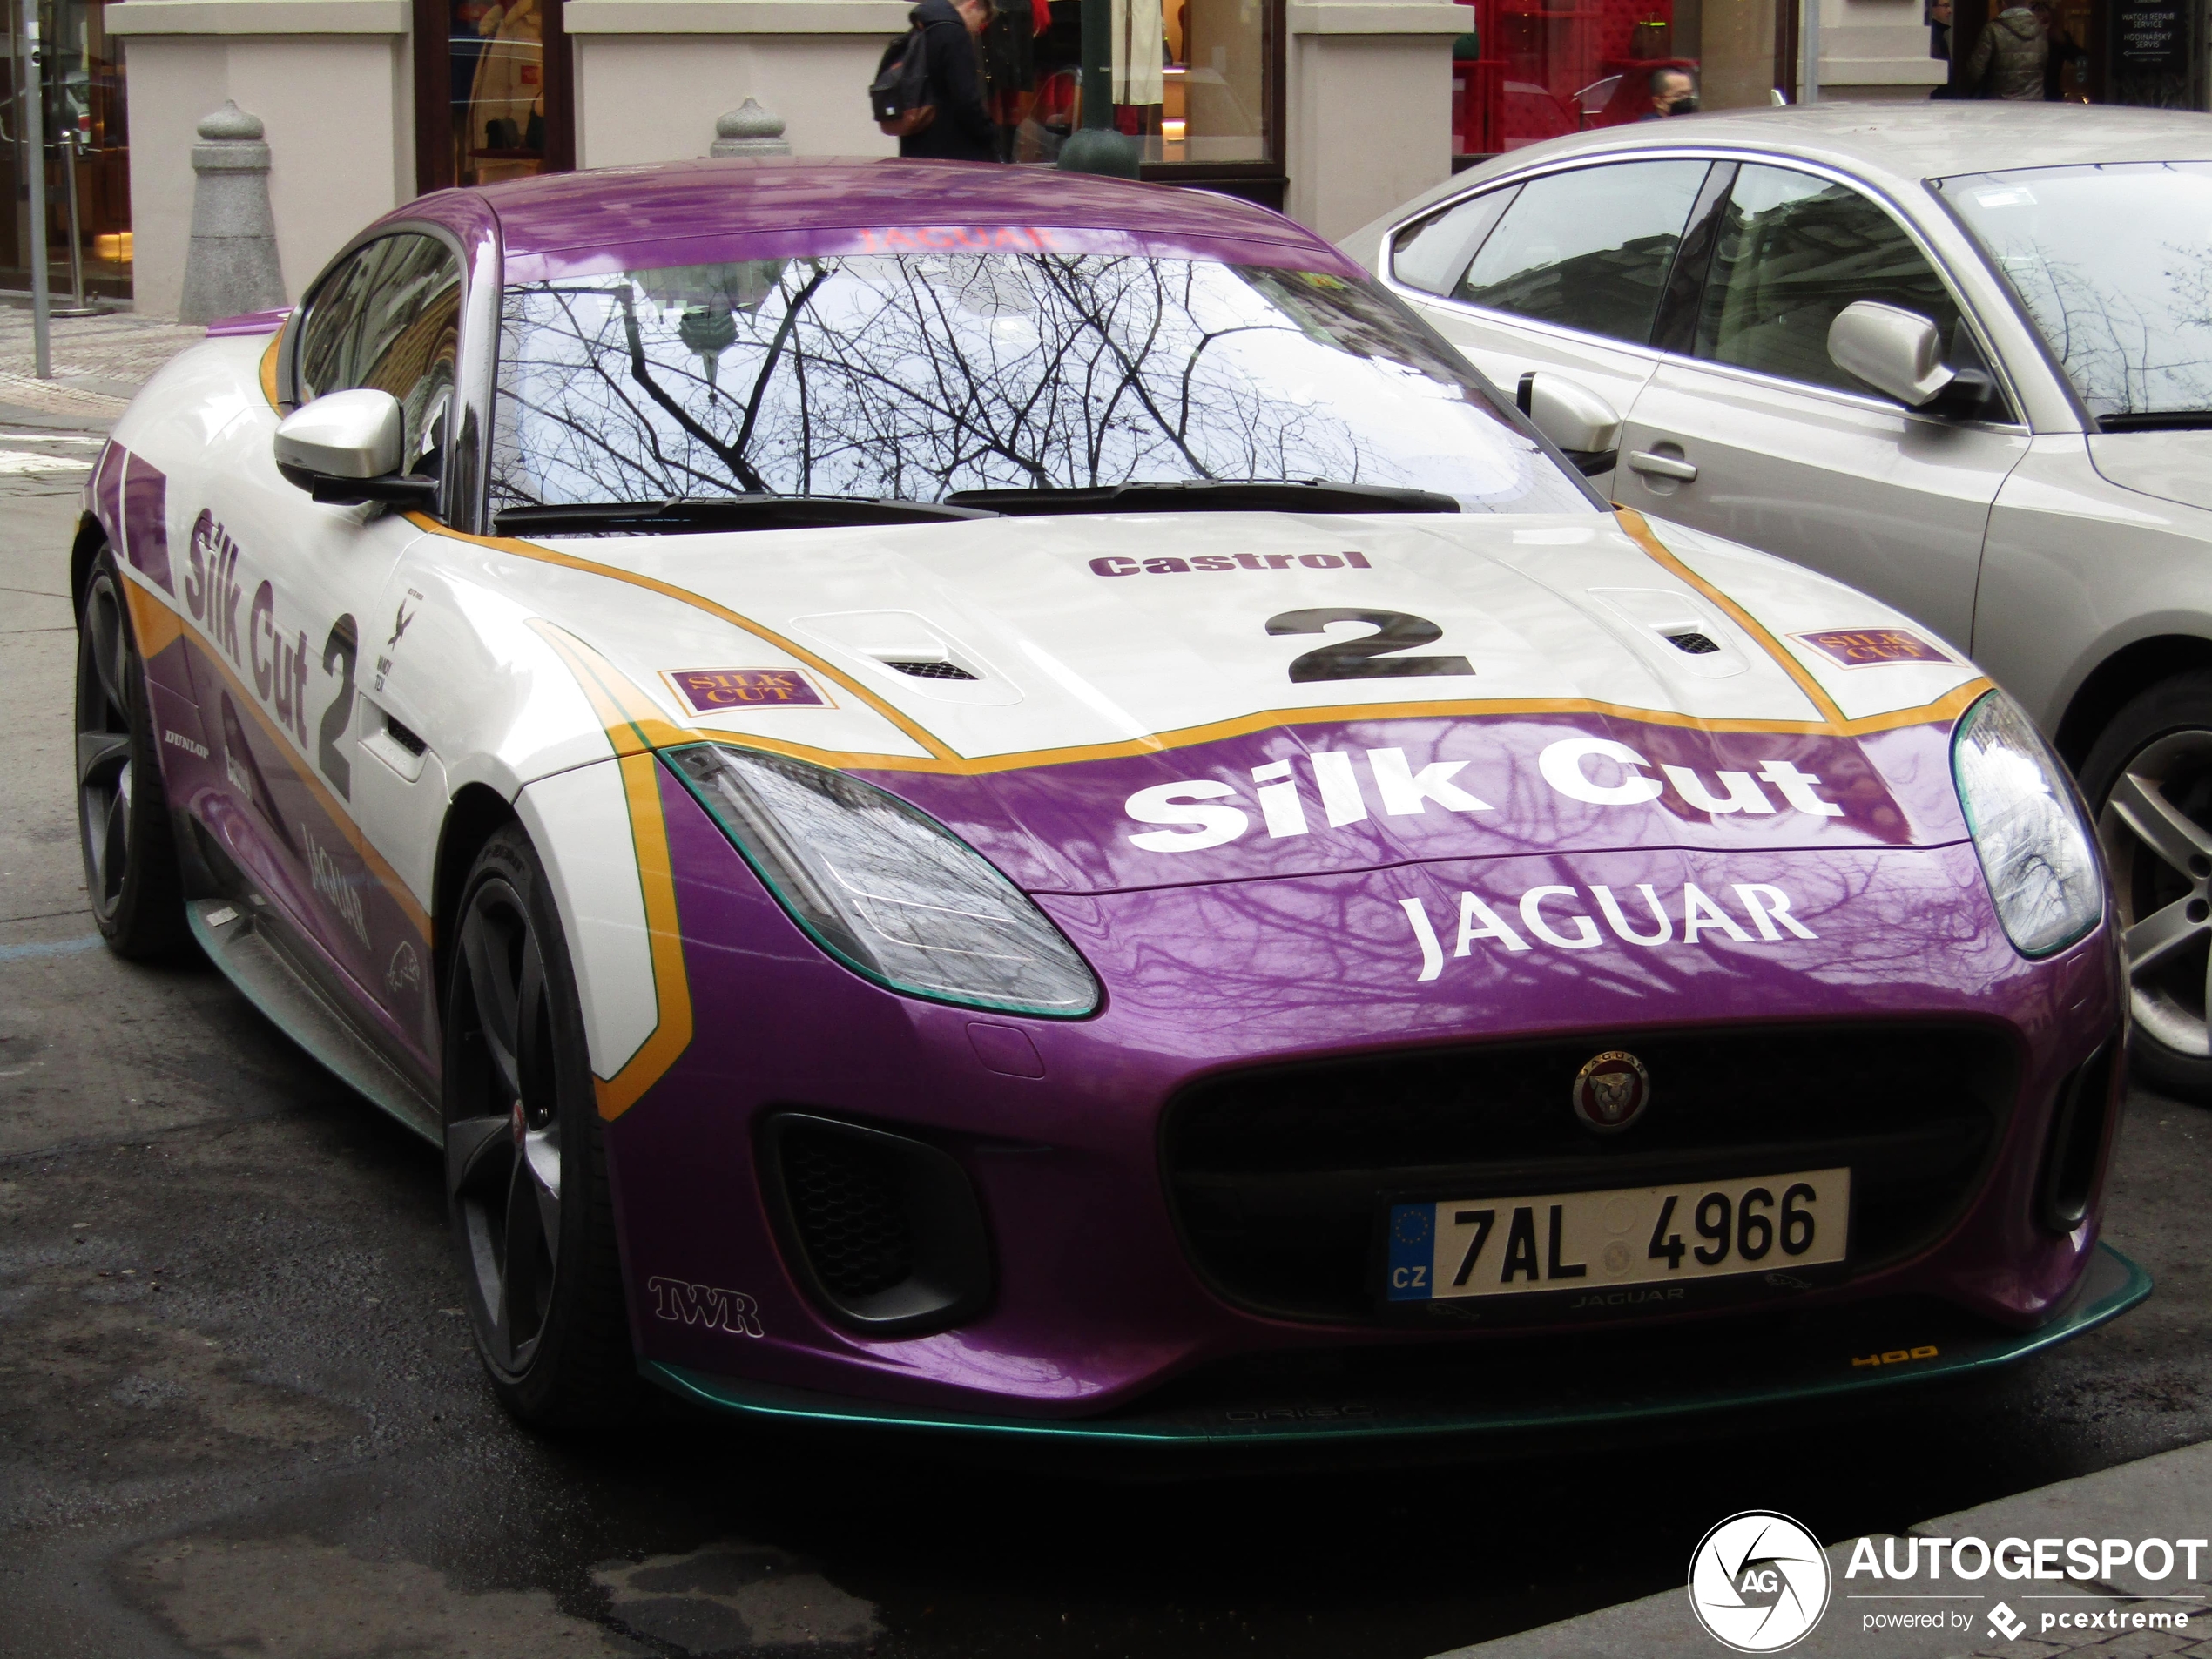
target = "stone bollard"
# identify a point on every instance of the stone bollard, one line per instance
(231, 266)
(749, 131)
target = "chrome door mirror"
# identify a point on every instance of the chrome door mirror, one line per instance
(1572, 416)
(344, 449)
(1897, 352)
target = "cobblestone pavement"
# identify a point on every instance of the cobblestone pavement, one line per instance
(97, 362)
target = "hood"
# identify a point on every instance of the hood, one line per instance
(2019, 22)
(1150, 699)
(2173, 465)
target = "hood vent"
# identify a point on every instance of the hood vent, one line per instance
(1699, 644)
(929, 659)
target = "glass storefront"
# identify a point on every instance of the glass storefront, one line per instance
(493, 103)
(87, 153)
(1534, 70)
(1195, 82)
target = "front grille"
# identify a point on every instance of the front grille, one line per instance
(1278, 1179)
(847, 1204)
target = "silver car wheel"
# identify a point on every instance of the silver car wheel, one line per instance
(2156, 839)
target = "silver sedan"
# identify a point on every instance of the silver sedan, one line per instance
(1957, 356)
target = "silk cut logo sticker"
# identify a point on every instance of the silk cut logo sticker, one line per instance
(1874, 647)
(719, 690)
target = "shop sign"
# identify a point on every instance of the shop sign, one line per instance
(2148, 34)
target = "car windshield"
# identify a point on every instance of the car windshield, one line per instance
(909, 378)
(2113, 263)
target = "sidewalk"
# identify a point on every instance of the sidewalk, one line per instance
(2168, 1496)
(97, 363)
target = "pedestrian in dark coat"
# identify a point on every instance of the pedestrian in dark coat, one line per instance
(2012, 52)
(962, 131)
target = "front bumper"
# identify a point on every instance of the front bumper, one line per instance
(1573, 1384)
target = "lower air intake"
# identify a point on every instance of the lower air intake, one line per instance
(882, 1231)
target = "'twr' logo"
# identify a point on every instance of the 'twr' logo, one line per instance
(730, 1310)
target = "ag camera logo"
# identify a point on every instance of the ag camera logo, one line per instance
(1758, 1583)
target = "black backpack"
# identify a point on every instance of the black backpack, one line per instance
(899, 96)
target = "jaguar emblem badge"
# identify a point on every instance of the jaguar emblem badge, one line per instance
(1611, 1092)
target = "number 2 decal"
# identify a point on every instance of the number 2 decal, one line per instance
(1370, 657)
(338, 654)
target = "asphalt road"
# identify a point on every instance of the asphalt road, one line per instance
(239, 1414)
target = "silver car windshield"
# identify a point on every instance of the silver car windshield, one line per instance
(913, 377)
(2113, 263)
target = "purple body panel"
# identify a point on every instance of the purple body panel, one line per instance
(250, 323)
(1064, 828)
(563, 224)
(1096, 1301)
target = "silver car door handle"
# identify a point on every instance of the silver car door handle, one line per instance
(1652, 466)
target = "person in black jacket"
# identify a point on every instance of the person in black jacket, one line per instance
(962, 130)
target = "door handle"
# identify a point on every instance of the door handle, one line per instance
(1652, 466)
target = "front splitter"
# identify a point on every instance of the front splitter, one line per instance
(1554, 1383)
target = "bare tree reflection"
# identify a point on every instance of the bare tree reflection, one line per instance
(916, 376)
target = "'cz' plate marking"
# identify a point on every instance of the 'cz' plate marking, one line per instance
(1570, 1241)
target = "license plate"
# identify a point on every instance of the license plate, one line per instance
(1581, 1241)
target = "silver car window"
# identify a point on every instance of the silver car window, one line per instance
(1587, 249)
(1794, 250)
(2114, 265)
(913, 376)
(1431, 253)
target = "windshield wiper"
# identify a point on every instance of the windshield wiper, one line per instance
(747, 512)
(2157, 420)
(1213, 495)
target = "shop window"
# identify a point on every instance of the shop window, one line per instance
(1197, 83)
(88, 156)
(1793, 250)
(492, 92)
(1532, 69)
(1587, 249)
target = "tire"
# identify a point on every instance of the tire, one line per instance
(2148, 778)
(526, 1167)
(123, 826)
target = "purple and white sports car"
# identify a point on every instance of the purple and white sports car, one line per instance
(1011, 801)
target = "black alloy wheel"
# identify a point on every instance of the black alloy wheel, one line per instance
(130, 850)
(526, 1182)
(2149, 775)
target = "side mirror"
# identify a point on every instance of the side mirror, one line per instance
(344, 449)
(1895, 351)
(1572, 416)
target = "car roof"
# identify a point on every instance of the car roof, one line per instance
(562, 215)
(1895, 144)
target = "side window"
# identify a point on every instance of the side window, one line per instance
(389, 319)
(333, 315)
(1430, 253)
(1793, 250)
(1587, 249)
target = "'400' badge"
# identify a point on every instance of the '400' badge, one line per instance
(1611, 1092)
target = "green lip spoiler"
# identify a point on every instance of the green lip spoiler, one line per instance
(1613, 1379)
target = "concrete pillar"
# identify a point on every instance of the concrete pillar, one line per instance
(230, 264)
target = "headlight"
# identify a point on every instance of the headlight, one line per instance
(2036, 853)
(884, 889)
